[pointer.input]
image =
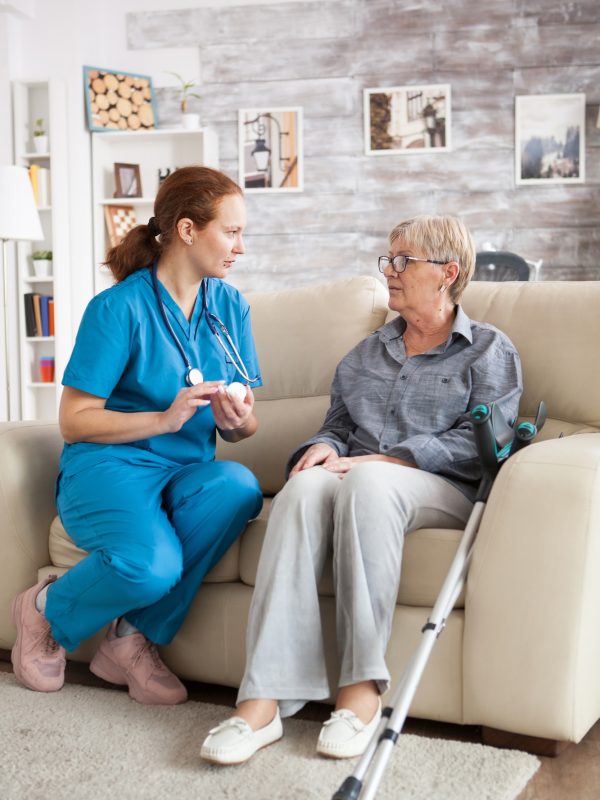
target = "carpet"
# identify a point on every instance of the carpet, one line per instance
(89, 743)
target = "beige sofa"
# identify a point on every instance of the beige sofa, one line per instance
(521, 652)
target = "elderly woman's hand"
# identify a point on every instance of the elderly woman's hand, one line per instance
(316, 454)
(345, 464)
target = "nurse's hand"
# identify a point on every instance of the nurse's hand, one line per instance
(186, 402)
(234, 417)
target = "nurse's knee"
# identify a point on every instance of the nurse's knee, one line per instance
(149, 573)
(243, 489)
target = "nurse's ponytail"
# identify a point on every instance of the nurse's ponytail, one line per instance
(192, 192)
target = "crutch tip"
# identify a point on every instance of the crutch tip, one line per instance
(349, 790)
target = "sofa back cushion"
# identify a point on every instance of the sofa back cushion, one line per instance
(301, 335)
(555, 326)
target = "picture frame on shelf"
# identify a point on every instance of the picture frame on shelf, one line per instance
(402, 120)
(549, 139)
(271, 149)
(117, 100)
(128, 181)
(120, 219)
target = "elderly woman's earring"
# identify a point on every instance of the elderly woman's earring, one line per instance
(443, 287)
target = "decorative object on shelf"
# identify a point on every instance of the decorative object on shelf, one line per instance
(118, 100)
(42, 263)
(189, 120)
(119, 221)
(407, 119)
(127, 180)
(550, 138)
(19, 221)
(47, 369)
(270, 149)
(164, 172)
(40, 137)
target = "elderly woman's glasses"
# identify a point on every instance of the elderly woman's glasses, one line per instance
(399, 263)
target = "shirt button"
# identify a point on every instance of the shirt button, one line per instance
(385, 447)
(402, 377)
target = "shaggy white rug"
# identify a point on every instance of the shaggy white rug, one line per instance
(87, 743)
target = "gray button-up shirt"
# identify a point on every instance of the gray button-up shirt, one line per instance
(418, 408)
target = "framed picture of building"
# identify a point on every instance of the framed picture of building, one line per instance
(270, 149)
(549, 138)
(407, 119)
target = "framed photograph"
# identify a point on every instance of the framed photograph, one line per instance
(119, 221)
(270, 149)
(550, 138)
(128, 182)
(118, 100)
(407, 119)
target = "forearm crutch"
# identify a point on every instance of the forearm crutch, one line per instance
(496, 441)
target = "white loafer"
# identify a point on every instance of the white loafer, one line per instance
(344, 735)
(234, 741)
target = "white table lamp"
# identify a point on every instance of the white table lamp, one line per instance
(19, 221)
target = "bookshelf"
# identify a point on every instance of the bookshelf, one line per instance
(32, 100)
(154, 150)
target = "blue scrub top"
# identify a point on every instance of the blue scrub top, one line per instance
(125, 353)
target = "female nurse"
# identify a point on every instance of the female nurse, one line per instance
(139, 488)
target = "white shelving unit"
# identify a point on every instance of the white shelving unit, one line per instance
(47, 100)
(151, 150)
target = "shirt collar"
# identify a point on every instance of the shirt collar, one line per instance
(460, 327)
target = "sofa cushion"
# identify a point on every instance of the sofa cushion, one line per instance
(427, 556)
(65, 554)
(301, 335)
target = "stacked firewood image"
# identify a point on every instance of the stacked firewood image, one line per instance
(120, 102)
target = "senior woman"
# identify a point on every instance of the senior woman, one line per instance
(396, 452)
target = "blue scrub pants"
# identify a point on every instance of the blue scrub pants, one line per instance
(152, 533)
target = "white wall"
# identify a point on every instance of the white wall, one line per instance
(57, 41)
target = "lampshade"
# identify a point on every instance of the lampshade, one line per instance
(19, 218)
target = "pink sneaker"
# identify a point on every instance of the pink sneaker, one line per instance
(38, 661)
(133, 661)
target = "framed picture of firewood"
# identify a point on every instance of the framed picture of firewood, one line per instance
(118, 100)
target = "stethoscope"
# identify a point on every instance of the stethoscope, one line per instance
(193, 375)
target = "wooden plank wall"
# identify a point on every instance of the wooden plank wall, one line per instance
(321, 55)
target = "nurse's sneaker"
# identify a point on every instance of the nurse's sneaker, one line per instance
(38, 660)
(133, 661)
(234, 741)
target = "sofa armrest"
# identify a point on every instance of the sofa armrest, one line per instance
(532, 610)
(29, 456)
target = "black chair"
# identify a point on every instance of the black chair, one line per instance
(500, 265)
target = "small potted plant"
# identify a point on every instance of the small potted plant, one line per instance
(42, 263)
(40, 137)
(189, 120)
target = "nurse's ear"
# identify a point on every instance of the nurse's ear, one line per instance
(185, 229)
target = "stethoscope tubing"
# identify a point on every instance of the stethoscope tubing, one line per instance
(211, 318)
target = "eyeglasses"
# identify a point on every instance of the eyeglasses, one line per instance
(399, 263)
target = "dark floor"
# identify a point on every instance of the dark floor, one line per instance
(573, 775)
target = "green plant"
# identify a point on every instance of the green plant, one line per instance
(42, 255)
(185, 89)
(39, 129)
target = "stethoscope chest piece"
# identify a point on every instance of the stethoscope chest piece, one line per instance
(193, 376)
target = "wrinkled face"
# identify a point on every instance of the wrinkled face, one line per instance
(217, 246)
(417, 289)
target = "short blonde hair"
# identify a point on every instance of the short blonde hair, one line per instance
(442, 239)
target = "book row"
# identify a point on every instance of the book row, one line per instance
(40, 182)
(39, 314)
